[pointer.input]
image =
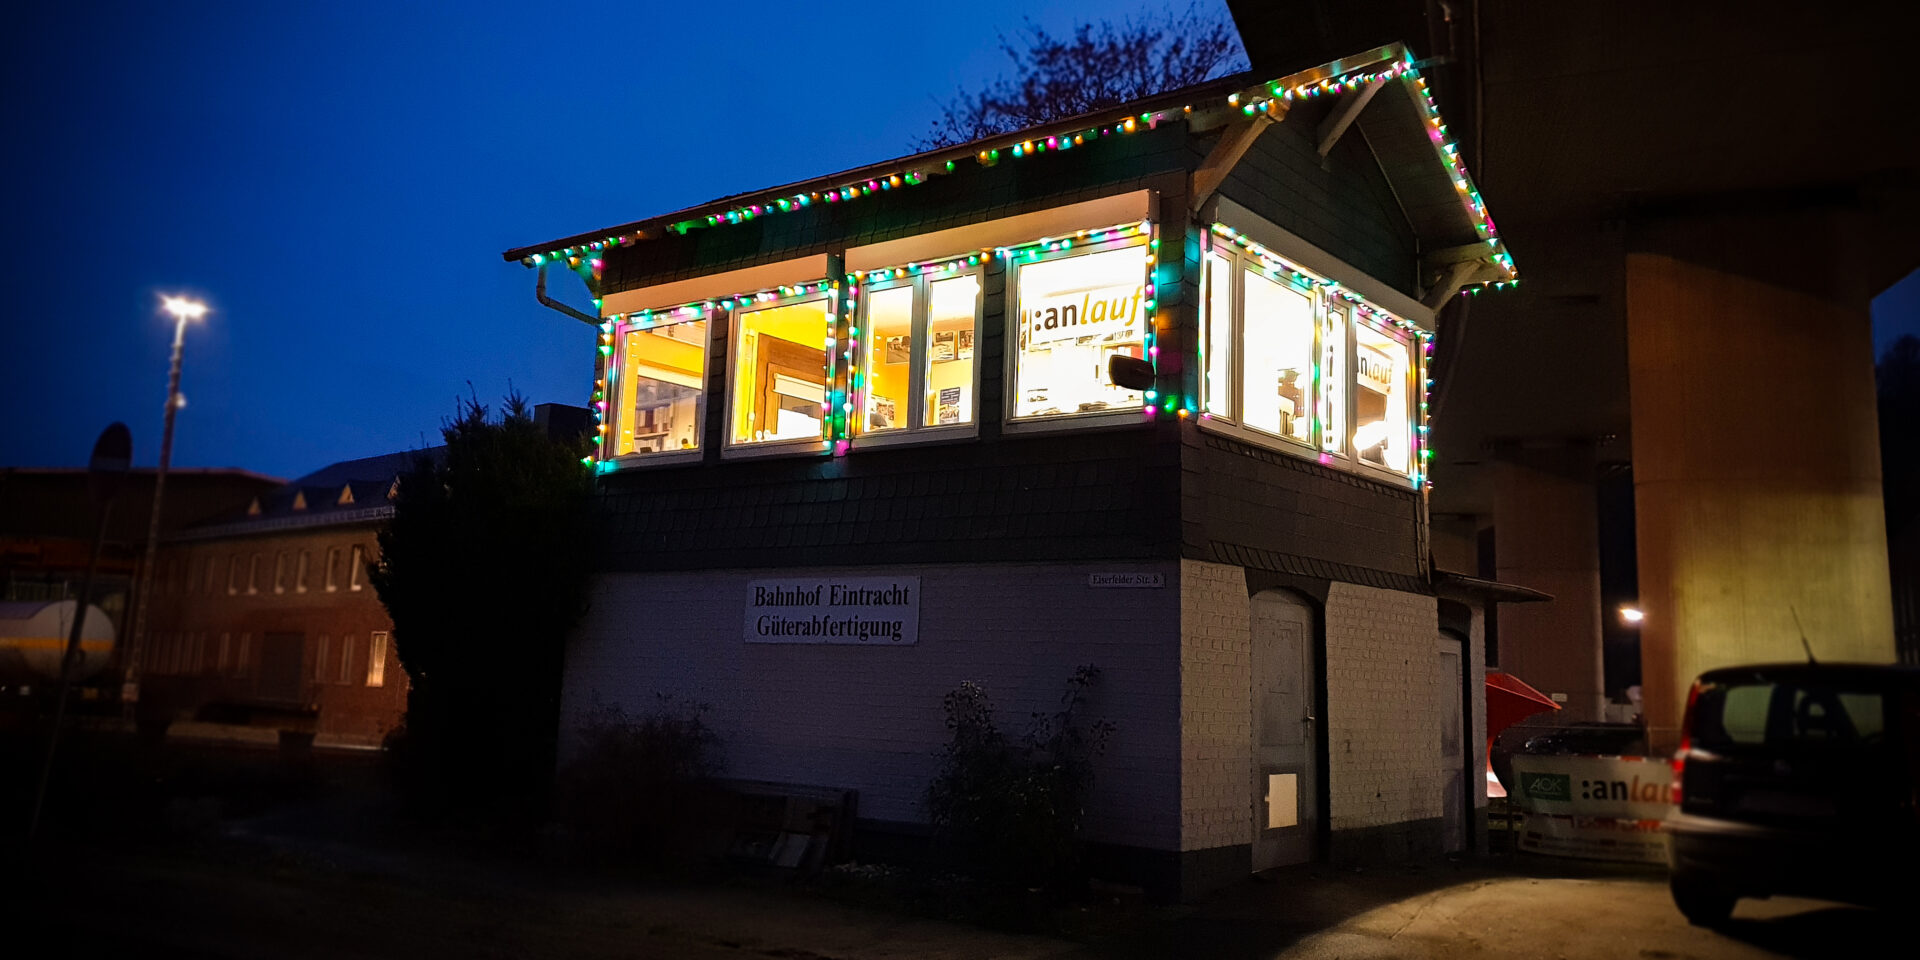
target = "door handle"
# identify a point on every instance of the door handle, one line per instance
(1309, 718)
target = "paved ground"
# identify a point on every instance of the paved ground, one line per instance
(257, 875)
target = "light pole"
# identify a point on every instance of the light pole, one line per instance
(183, 309)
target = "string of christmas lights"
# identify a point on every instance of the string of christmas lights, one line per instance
(1262, 99)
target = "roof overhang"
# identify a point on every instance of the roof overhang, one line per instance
(1378, 92)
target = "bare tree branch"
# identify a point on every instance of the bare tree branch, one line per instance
(1099, 65)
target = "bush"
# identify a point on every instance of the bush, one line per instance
(1008, 811)
(630, 790)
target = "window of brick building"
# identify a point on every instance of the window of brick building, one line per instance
(377, 658)
(300, 573)
(333, 569)
(280, 572)
(354, 568)
(253, 574)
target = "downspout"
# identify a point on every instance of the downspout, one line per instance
(540, 293)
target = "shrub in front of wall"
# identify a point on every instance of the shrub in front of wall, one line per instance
(631, 791)
(1007, 810)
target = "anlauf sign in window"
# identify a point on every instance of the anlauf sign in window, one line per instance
(857, 610)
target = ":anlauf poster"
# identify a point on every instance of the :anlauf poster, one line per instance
(870, 611)
(1598, 808)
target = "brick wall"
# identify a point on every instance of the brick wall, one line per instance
(1383, 720)
(1216, 718)
(870, 718)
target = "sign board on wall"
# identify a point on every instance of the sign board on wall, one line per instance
(1598, 808)
(877, 611)
(1133, 580)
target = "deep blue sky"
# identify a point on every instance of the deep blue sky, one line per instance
(339, 179)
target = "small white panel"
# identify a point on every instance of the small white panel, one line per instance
(1283, 800)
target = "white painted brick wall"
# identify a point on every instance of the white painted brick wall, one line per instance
(1383, 713)
(1216, 714)
(870, 718)
(1477, 662)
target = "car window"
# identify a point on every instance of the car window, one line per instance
(1778, 714)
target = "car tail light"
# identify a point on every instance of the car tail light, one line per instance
(1686, 742)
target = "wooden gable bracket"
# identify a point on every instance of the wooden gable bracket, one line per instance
(1343, 117)
(1456, 267)
(1233, 144)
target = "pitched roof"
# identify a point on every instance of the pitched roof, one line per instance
(351, 491)
(1404, 129)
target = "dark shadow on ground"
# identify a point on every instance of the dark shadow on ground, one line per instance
(1828, 932)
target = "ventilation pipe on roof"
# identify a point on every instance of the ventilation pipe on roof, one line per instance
(540, 292)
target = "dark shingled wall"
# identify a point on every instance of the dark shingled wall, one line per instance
(1343, 205)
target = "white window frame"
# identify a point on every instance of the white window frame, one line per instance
(1415, 374)
(916, 430)
(1012, 266)
(1341, 455)
(617, 373)
(817, 446)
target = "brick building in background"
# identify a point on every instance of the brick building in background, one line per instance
(870, 436)
(264, 619)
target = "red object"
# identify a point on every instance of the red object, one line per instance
(1509, 701)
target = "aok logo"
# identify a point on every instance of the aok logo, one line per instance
(1546, 786)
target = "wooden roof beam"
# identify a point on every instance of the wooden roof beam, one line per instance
(1233, 144)
(1342, 118)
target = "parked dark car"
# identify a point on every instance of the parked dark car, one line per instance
(1797, 779)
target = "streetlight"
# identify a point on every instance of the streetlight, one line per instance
(183, 309)
(1632, 614)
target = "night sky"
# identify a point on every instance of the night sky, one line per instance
(338, 181)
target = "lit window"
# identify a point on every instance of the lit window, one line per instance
(1076, 312)
(300, 574)
(253, 574)
(1277, 384)
(661, 381)
(353, 569)
(780, 373)
(1382, 399)
(280, 572)
(345, 675)
(377, 659)
(917, 354)
(1217, 391)
(333, 569)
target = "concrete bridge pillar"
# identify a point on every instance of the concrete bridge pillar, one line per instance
(1755, 455)
(1546, 536)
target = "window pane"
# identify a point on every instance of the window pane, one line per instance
(1277, 393)
(1333, 379)
(300, 574)
(377, 659)
(1217, 391)
(662, 388)
(1075, 313)
(953, 304)
(780, 380)
(1381, 433)
(353, 569)
(889, 358)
